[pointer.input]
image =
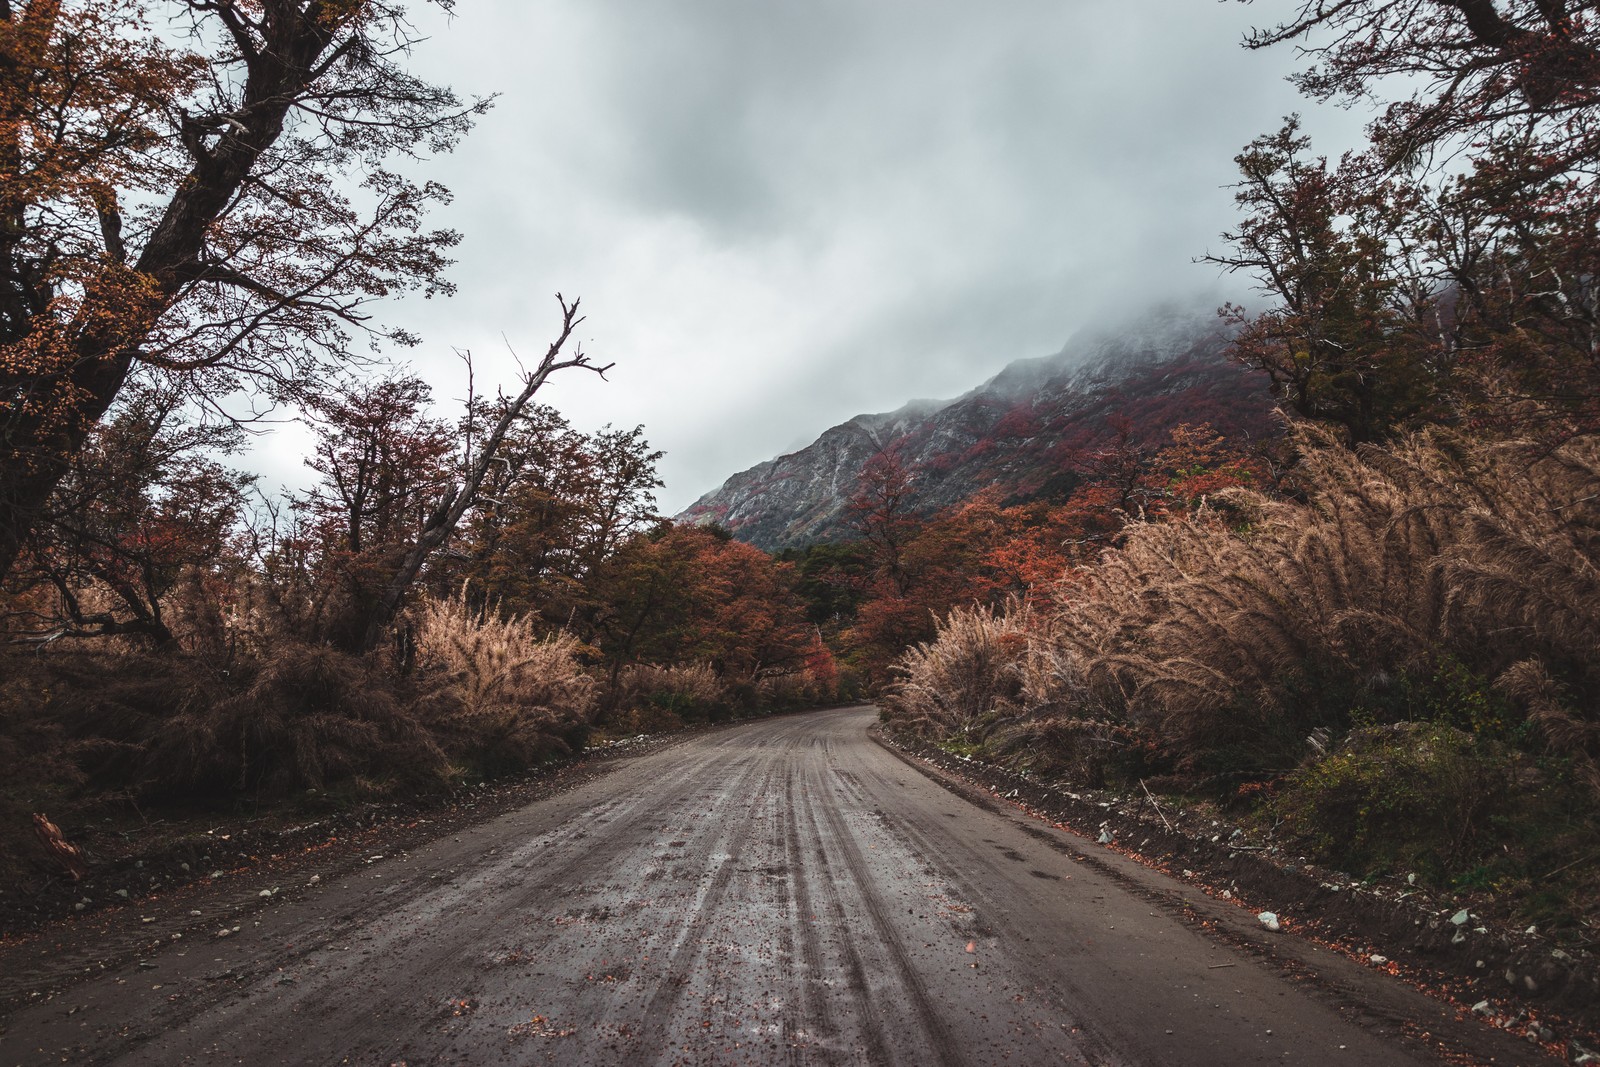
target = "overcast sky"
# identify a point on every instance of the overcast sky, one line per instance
(783, 213)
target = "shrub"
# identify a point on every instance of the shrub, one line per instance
(501, 697)
(311, 717)
(651, 699)
(1412, 796)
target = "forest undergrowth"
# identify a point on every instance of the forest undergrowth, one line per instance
(108, 740)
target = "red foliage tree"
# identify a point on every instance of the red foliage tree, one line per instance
(684, 594)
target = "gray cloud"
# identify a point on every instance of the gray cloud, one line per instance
(782, 214)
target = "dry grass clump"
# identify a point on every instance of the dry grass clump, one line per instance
(998, 681)
(1435, 578)
(1436, 546)
(650, 699)
(969, 677)
(503, 697)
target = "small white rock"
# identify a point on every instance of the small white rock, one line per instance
(1270, 921)
(1377, 959)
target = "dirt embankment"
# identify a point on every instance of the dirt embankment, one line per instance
(1461, 946)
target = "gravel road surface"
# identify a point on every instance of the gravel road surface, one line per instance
(782, 892)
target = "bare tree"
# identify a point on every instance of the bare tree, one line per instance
(457, 499)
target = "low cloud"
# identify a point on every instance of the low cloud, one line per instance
(780, 215)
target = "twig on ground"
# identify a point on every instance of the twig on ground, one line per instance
(1153, 804)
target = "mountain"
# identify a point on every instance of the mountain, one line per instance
(1021, 430)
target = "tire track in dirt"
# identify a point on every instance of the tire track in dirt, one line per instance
(813, 1024)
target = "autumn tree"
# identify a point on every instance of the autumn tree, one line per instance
(620, 497)
(556, 504)
(145, 511)
(1354, 336)
(201, 189)
(516, 543)
(1472, 70)
(384, 464)
(684, 594)
(1409, 290)
(881, 510)
(1198, 462)
(395, 483)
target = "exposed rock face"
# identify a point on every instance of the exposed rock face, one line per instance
(1020, 431)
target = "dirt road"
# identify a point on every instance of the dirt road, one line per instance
(783, 892)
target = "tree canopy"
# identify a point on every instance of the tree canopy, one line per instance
(202, 188)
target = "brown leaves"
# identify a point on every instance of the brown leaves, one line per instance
(63, 850)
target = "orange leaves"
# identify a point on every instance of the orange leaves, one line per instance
(686, 593)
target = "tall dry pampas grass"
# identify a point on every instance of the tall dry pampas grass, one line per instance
(969, 677)
(1243, 629)
(505, 697)
(651, 698)
(1001, 680)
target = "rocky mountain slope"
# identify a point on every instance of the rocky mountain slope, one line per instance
(1021, 431)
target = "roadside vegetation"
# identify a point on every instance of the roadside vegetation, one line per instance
(1376, 628)
(202, 207)
(1386, 647)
